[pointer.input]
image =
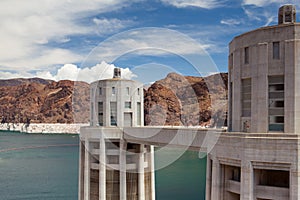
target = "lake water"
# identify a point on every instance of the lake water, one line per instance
(45, 167)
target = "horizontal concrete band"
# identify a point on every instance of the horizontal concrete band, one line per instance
(187, 137)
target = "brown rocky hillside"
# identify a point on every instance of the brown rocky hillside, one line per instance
(187, 100)
(175, 100)
(42, 101)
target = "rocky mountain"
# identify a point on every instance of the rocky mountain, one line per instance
(175, 100)
(187, 100)
(43, 101)
(20, 81)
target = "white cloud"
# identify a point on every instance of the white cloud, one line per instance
(147, 41)
(207, 4)
(159, 42)
(106, 26)
(72, 72)
(269, 19)
(11, 75)
(265, 15)
(261, 3)
(252, 14)
(27, 27)
(43, 59)
(265, 11)
(67, 72)
(230, 22)
(43, 74)
(101, 71)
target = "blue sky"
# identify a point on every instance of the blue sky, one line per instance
(58, 39)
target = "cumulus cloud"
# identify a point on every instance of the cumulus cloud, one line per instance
(101, 71)
(72, 72)
(207, 4)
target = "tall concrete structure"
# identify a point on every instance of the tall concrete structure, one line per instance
(264, 70)
(110, 167)
(258, 157)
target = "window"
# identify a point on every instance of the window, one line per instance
(113, 90)
(100, 113)
(138, 91)
(92, 113)
(246, 97)
(273, 178)
(276, 50)
(127, 119)
(139, 114)
(246, 52)
(276, 103)
(113, 113)
(127, 104)
(236, 174)
(288, 17)
(230, 107)
(230, 61)
(127, 90)
(100, 91)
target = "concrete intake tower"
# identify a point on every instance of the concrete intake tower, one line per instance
(110, 167)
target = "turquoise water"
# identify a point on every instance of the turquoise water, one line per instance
(45, 167)
(183, 179)
(42, 173)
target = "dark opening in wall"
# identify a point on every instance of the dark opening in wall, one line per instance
(246, 97)
(279, 119)
(236, 174)
(276, 50)
(246, 55)
(275, 178)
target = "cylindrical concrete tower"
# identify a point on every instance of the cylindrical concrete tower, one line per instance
(258, 157)
(264, 76)
(117, 102)
(111, 168)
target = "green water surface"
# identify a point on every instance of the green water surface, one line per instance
(45, 167)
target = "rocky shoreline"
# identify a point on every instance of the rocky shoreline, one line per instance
(42, 128)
